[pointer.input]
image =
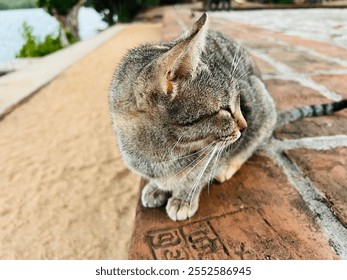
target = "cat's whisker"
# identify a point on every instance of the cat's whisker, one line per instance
(216, 161)
(198, 151)
(152, 194)
(237, 67)
(236, 79)
(174, 146)
(191, 192)
(197, 181)
(189, 155)
(190, 147)
(238, 54)
(241, 76)
(219, 154)
(170, 150)
(204, 157)
(200, 158)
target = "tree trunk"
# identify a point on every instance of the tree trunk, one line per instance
(69, 22)
(72, 19)
(63, 38)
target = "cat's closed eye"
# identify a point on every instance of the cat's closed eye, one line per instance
(193, 119)
(227, 108)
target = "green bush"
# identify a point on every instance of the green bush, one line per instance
(4, 6)
(127, 10)
(62, 7)
(282, 1)
(33, 48)
(16, 4)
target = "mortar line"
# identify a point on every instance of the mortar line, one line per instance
(314, 199)
(328, 72)
(314, 143)
(225, 17)
(310, 51)
(300, 78)
(313, 73)
(180, 22)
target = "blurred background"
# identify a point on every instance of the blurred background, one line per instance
(65, 192)
(34, 28)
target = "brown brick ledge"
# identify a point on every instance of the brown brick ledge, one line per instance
(281, 204)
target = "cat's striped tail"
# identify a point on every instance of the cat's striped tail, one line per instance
(292, 115)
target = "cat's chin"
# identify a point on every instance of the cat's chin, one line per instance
(231, 138)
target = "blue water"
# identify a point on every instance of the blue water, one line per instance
(11, 22)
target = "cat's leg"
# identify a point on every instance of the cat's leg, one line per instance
(184, 201)
(180, 208)
(258, 135)
(152, 196)
(236, 161)
(232, 166)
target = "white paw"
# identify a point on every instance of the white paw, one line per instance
(179, 210)
(226, 173)
(153, 197)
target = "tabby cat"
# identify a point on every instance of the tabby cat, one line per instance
(190, 111)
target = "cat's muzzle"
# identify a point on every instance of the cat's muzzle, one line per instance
(232, 137)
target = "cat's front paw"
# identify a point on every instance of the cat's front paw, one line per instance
(179, 209)
(227, 172)
(153, 197)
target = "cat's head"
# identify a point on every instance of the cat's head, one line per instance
(174, 95)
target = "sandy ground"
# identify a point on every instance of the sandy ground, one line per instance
(64, 191)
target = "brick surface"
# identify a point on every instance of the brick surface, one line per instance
(171, 28)
(258, 214)
(260, 43)
(323, 48)
(313, 127)
(301, 62)
(337, 83)
(328, 171)
(235, 30)
(259, 33)
(255, 215)
(289, 94)
(263, 66)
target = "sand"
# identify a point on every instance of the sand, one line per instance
(64, 191)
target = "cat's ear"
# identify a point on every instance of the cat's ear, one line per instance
(183, 59)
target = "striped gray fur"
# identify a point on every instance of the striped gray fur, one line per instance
(187, 112)
(296, 114)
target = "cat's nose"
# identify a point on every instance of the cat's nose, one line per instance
(242, 124)
(240, 120)
(243, 129)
